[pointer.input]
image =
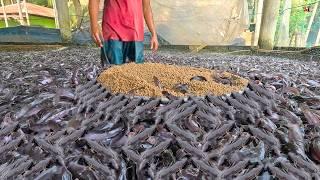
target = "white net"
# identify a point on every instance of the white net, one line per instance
(200, 22)
(205, 22)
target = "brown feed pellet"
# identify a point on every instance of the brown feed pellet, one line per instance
(139, 79)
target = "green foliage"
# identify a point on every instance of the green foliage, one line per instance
(10, 22)
(34, 21)
(46, 3)
(42, 22)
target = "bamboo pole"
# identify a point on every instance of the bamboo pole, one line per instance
(26, 11)
(21, 19)
(314, 11)
(4, 14)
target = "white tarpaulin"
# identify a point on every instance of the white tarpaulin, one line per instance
(200, 22)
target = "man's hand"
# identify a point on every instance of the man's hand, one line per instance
(95, 29)
(154, 43)
(147, 12)
(96, 35)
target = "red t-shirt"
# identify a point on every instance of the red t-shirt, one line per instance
(123, 20)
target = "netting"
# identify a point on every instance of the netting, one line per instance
(211, 22)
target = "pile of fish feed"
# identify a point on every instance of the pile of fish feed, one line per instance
(156, 80)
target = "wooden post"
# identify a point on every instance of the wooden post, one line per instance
(284, 39)
(4, 13)
(269, 24)
(258, 22)
(26, 11)
(62, 11)
(21, 19)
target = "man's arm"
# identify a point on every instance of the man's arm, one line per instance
(147, 11)
(94, 14)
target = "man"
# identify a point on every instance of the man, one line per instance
(122, 29)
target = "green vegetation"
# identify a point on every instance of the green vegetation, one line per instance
(46, 3)
(42, 21)
(50, 22)
(34, 21)
(11, 23)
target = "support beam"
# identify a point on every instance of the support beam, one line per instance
(55, 14)
(62, 12)
(21, 19)
(258, 21)
(26, 12)
(4, 13)
(269, 24)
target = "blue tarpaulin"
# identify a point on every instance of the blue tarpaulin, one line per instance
(26, 34)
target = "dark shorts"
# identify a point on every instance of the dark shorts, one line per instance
(119, 52)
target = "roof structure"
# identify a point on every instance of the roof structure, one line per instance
(33, 9)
